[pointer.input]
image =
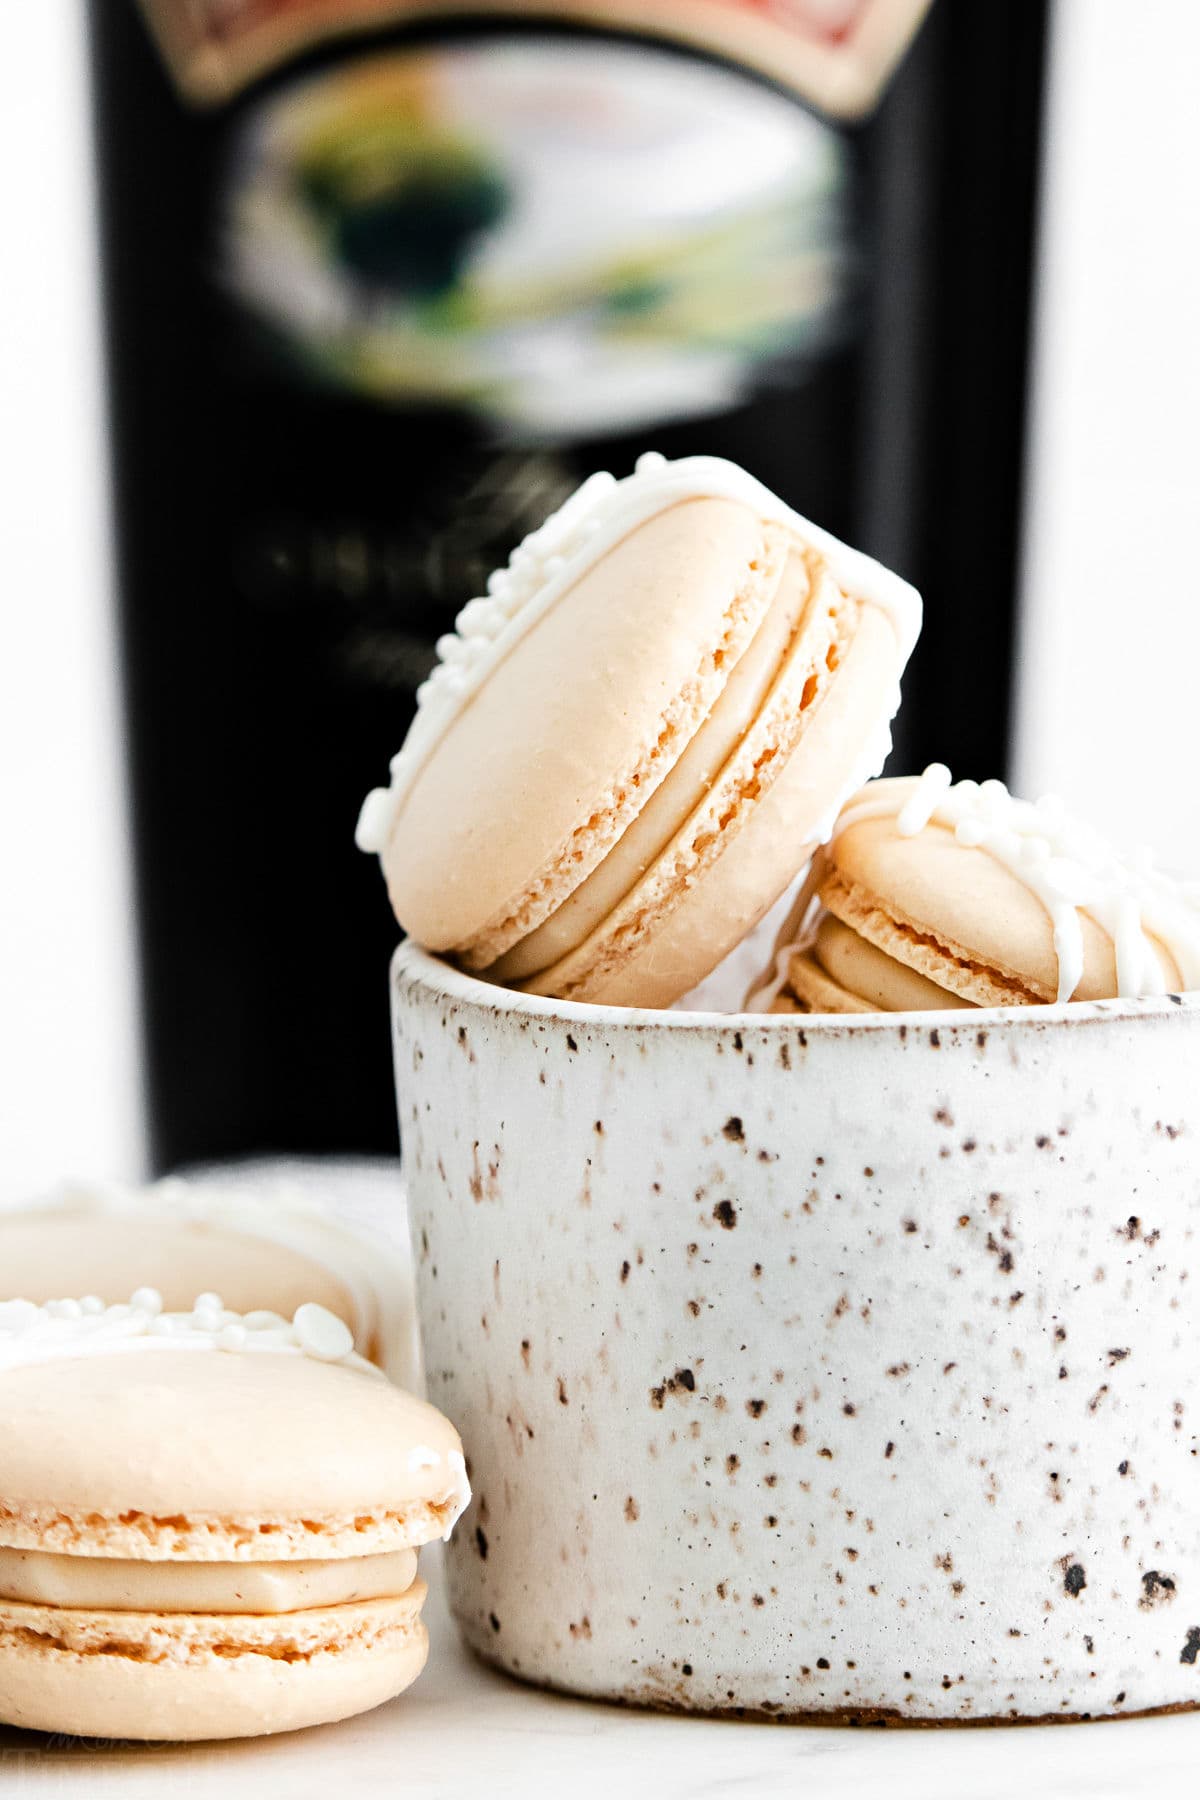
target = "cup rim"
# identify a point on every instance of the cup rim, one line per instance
(443, 980)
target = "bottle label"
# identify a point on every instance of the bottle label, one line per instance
(406, 226)
(837, 54)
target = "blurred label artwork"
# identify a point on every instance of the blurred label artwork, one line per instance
(557, 235)
(836, 53)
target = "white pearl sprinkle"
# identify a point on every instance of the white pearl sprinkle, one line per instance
(208, 1303)
(70, 1328)
(321, 1333)
(18, 1315)
(477, 616)
(147, 1300)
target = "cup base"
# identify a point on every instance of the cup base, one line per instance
(651, 1698)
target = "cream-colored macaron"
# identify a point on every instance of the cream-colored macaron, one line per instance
(258, 1243)
(208, 1523)
(633, 744)
(936, 895)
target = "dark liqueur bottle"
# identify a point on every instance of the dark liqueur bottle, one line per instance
(383, 282)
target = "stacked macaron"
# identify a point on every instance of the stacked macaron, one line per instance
(260, 1242)
(632, 743)
(208, 1521)
(936, 895)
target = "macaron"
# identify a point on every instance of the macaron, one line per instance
(208, 1522)
(935, 895)
(258, 1242)
(632, 744)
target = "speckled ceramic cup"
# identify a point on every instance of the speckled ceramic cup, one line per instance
(843, 1367)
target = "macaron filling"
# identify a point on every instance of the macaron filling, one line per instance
(118, 1584)
(806, 622)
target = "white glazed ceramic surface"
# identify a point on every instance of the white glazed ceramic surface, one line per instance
(841, 1367)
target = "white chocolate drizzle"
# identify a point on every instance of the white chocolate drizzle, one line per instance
(422, 1457)
(87, 1327)
(555, 556)
(1066, 864)
(456, 1462)
(767, 989)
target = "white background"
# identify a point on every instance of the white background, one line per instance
(1108, 695)
(68, 1088)
(1111, 636)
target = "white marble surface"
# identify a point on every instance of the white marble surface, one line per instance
(464, 1732)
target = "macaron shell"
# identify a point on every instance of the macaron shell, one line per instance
(813, 991)
(868, 976)
(220, 1457)
(164, 1677)
(540, 773)
(699, 914)
(680, 794)
(48, 1253)
(992, 939)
